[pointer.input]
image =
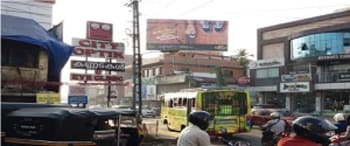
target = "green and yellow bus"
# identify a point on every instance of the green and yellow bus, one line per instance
(229, 108)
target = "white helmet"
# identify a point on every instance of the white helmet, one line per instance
(275, 115)
(339, 117)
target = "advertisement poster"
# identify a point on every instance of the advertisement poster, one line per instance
(171, 35)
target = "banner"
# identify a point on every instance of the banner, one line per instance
(170, 35)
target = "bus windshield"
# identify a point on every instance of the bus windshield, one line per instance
(223, 103)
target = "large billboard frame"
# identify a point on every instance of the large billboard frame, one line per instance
(174, 35)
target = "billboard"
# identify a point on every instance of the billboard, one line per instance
(172, 35)
(99, 31)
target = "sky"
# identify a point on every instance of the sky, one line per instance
(244, 16)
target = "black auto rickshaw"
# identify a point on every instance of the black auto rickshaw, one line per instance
(61, 125)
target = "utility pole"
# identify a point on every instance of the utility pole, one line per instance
(137, 60)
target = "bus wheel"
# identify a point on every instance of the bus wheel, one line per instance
(165, 122)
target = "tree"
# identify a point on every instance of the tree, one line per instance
(219, 77)
(242, 57)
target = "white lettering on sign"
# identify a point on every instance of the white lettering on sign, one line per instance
(334, 57)
(267, 63)
(90, 77)
(90, 52)
(97, 44)
(98, 65)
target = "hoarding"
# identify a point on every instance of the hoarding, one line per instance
(98, 49)
(172, 35)
(48, 98)
(99, 31)
(295, 87)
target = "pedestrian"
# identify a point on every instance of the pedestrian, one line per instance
(195, 134)
(309, 131)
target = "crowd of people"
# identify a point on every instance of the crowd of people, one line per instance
(308, 131)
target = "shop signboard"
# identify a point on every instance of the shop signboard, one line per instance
(48, 98)
(344, 76)
(295, 87)
(296, 77)
(267, 63)
(170, 35)
(95, 77)
(77, 100)
(97, 65)
(171, 79)
(334, 57)
(99, 30)
(98, 49)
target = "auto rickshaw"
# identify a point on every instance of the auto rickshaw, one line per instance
(68, 126)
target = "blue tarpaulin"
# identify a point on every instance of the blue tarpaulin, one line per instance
(29, 31)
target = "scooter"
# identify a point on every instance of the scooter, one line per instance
(231, 140)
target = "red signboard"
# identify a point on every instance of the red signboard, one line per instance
(99, 31)
(99, 49)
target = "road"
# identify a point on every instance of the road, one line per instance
(253, 136)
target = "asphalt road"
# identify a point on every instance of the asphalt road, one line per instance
(163, 133)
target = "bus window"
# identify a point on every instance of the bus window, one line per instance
(193, 102)
(184, 102)
(242, 103)
(171, 103)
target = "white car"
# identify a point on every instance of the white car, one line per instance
(148, 113)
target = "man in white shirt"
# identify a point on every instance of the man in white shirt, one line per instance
(272, 128)
(195, 134)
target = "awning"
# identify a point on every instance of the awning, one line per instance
(29, 31)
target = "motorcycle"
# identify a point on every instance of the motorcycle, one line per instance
(337, 142)
(271, 139)
(231, 140)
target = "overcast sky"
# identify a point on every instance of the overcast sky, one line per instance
(244, 16)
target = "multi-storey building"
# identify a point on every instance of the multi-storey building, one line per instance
(305, 65)
(172, 72)
(38, 10)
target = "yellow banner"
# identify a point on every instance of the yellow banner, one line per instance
(49, 98)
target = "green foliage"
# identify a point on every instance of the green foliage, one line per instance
(242, 57)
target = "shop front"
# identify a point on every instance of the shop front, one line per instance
(336, 101)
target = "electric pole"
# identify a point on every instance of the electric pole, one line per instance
(137, 58)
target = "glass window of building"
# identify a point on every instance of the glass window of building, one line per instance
(261, 73)
(267, 73)
(320, 44)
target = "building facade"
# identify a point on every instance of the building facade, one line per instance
(171, 72)
(305, 65)
(38, 10)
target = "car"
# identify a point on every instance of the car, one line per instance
(148, 113)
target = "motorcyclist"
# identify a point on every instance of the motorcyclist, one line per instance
(343, 137)
(340, 122)
(195, 134)
(309, 131)
(272, 128)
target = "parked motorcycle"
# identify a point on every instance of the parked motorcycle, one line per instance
(232, 140)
